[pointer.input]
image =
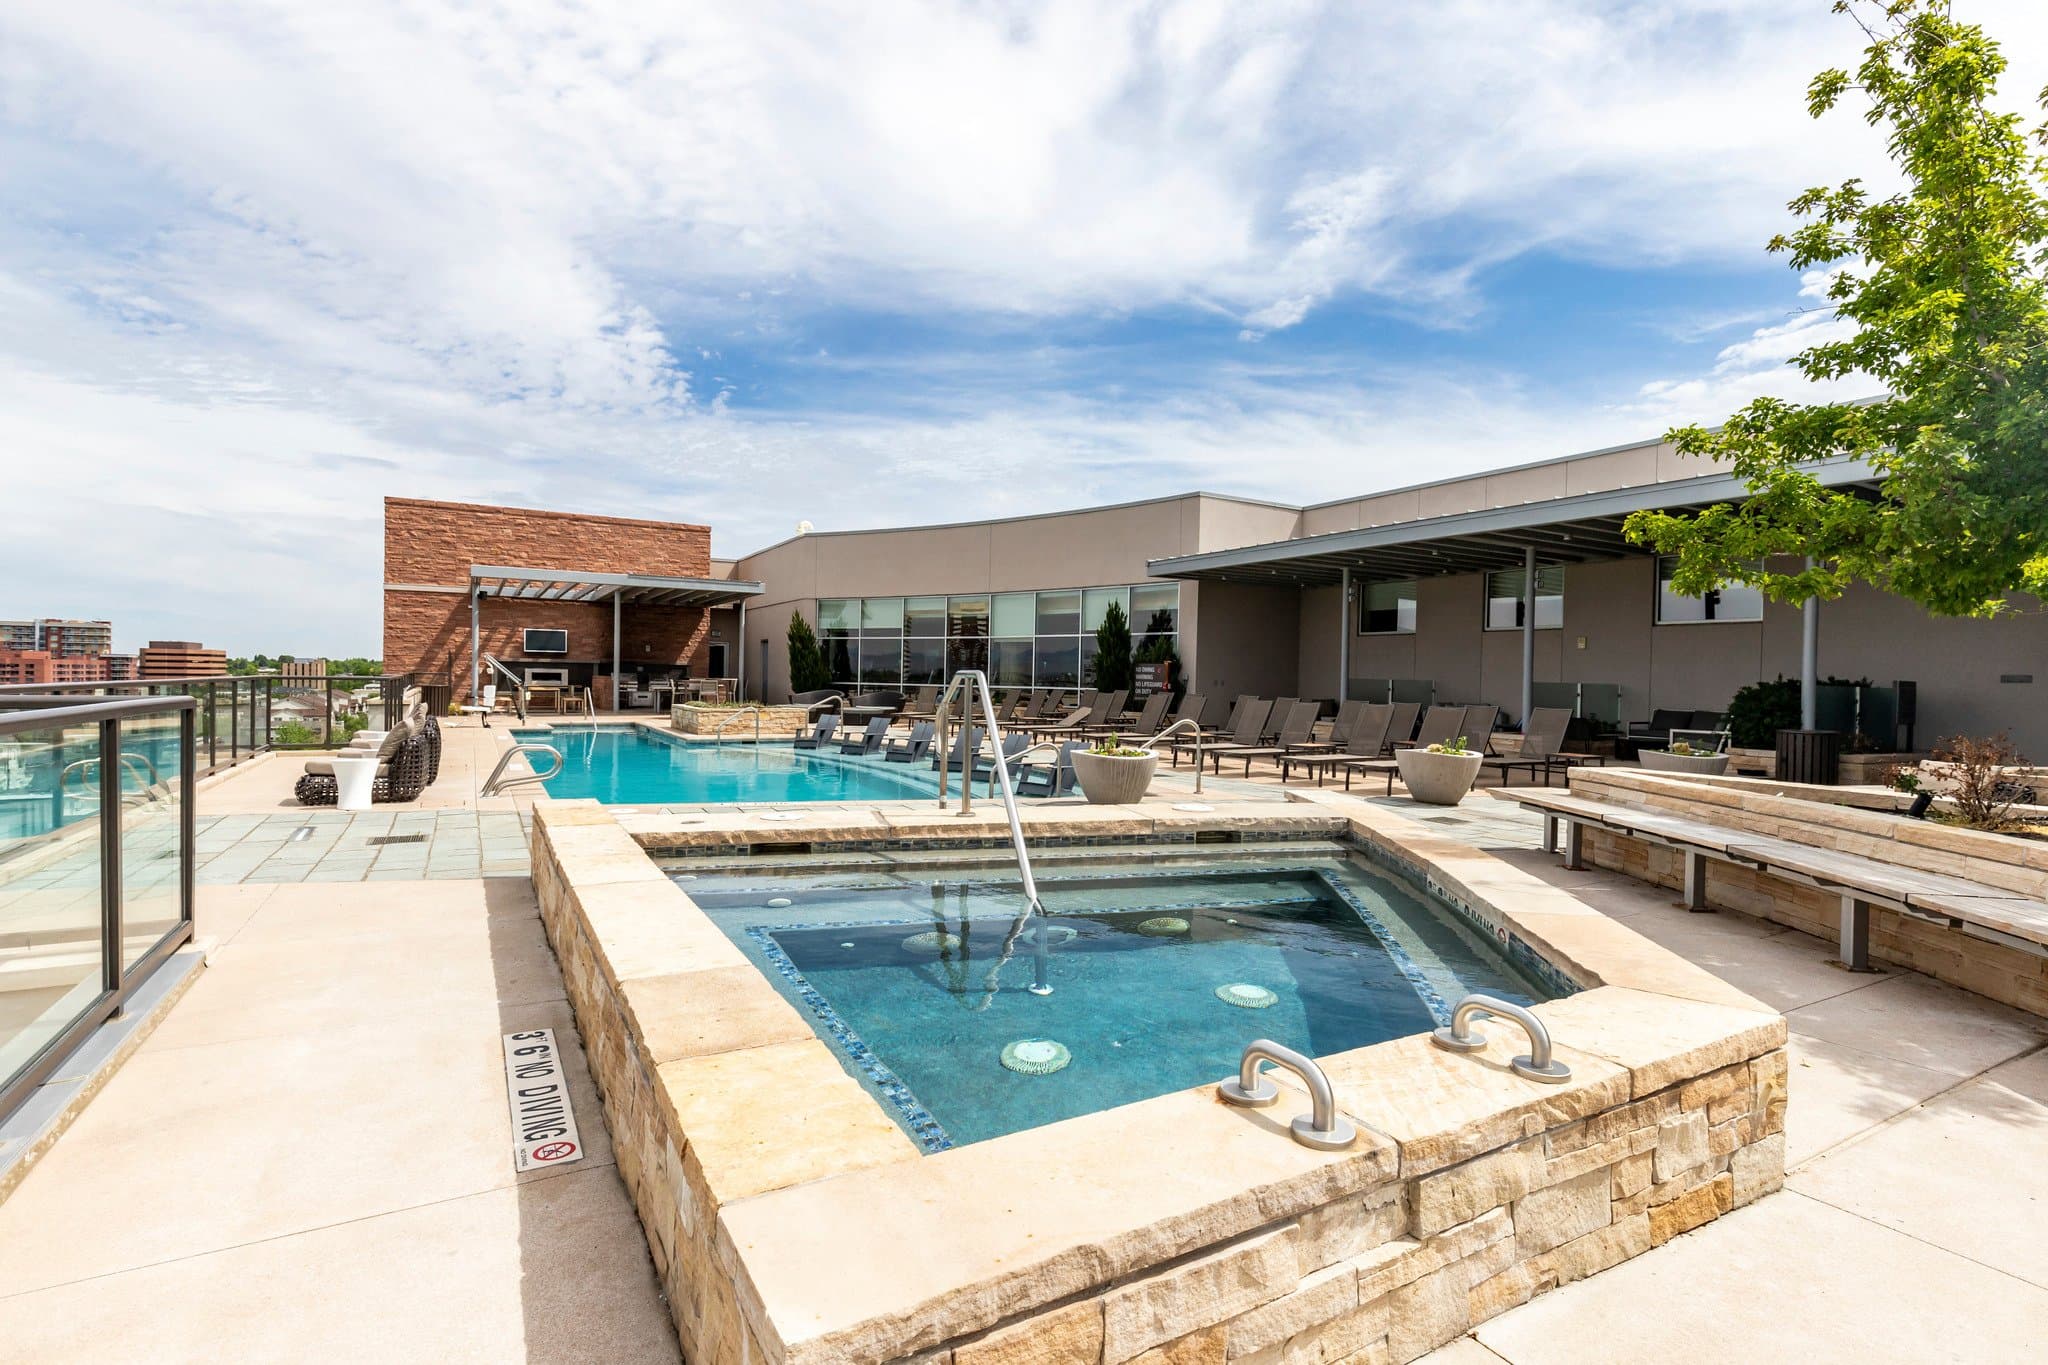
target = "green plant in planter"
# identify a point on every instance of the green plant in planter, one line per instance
(1683, 748)
(1111, 668)
(1114, 747)
(1757, 712)
(807, 671)
(1456, 746)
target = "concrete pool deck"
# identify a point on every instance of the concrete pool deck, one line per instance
(306, 1211)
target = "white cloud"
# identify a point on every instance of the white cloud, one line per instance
(261, 263)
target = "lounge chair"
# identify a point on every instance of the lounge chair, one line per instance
(1543, 740)
(1211, 733)
(1479, 723)
(1282, 712)
(1365, 743)
(1405, 715)
(1045, 780)
(925, 706)
(401, 771)
(966, 741)
(912, 749)
(1251, 725)
(985, 768)
(1340, 729)
(1442, 725)
(820, 735)
(869, 739)
(1099, 716)
(1296, 729)
(1150, 718)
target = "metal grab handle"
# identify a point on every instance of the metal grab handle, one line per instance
(1537, 1065)
(1322, 1128)
(741, 714)
(1193, 724)
(497, 782)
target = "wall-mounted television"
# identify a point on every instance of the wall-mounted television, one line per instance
(544, 641)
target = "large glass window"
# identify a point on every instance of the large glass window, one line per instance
(1021, 639)
(1059, 613)
(1504, 598)
(1155, 609)
(1729, 602)
(1015, 615)
(1387, 608)
(924, 616)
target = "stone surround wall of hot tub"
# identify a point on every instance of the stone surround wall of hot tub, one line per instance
(791, 1220)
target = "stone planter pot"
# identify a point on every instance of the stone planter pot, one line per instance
(1437, 779)
(1107, 780)
(1663, 761)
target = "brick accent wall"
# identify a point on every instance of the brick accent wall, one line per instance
(431, 545)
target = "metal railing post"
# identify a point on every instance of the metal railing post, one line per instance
(110, 856)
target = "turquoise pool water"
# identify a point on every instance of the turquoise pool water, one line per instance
(917, 981)
(631, 766)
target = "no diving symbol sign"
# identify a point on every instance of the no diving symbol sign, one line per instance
(543, 1120)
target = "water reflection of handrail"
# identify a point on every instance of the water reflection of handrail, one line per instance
(147, 778)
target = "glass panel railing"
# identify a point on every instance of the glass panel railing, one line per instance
(51, 968)
(95, 857)
(152, 833)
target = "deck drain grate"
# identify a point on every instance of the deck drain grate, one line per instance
(396, 839)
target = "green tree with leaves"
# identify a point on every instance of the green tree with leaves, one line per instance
(1111, 668)
(1944, 281)
(807, 672)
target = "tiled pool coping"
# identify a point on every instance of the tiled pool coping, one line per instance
(792, 1219)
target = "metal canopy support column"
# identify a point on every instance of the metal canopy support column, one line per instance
(1528, 632)
(1809, 661)
(474, 593)
(739, 650)
(1344, 636)
(615, 647)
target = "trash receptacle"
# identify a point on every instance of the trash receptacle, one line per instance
(1810, 756)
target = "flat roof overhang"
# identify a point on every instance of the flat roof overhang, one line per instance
(631, 589)
(1578, 529)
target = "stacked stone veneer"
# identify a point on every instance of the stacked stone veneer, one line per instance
(1994, 970)
(778, 721)
(790, 1220)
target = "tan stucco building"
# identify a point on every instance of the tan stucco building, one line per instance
(1434, 572)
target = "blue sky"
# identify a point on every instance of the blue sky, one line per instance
(262, 264)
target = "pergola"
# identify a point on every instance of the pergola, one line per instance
(1577, 529)
(621, 589)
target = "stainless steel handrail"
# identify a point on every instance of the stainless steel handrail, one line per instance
(1322, 1127)
(497, 782)
(1537, 1064)
(967, 684)
(741, 714)
(1191, 723)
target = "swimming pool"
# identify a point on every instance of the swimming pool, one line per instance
(918, 977)
(634, 766)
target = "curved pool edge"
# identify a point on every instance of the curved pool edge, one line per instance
(789, 1216)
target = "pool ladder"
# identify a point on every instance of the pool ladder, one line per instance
(496, 783)
(970, 685)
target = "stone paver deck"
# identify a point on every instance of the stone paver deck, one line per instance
(311, 1158)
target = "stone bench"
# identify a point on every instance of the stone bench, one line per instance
(1993, 913)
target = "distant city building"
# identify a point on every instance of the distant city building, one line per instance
(120, 667)
(61, 637)
(41, 666)
(179, 659)
(304, 670)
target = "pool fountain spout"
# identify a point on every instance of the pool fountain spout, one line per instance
(1322, 1128)
(1536, 1065)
